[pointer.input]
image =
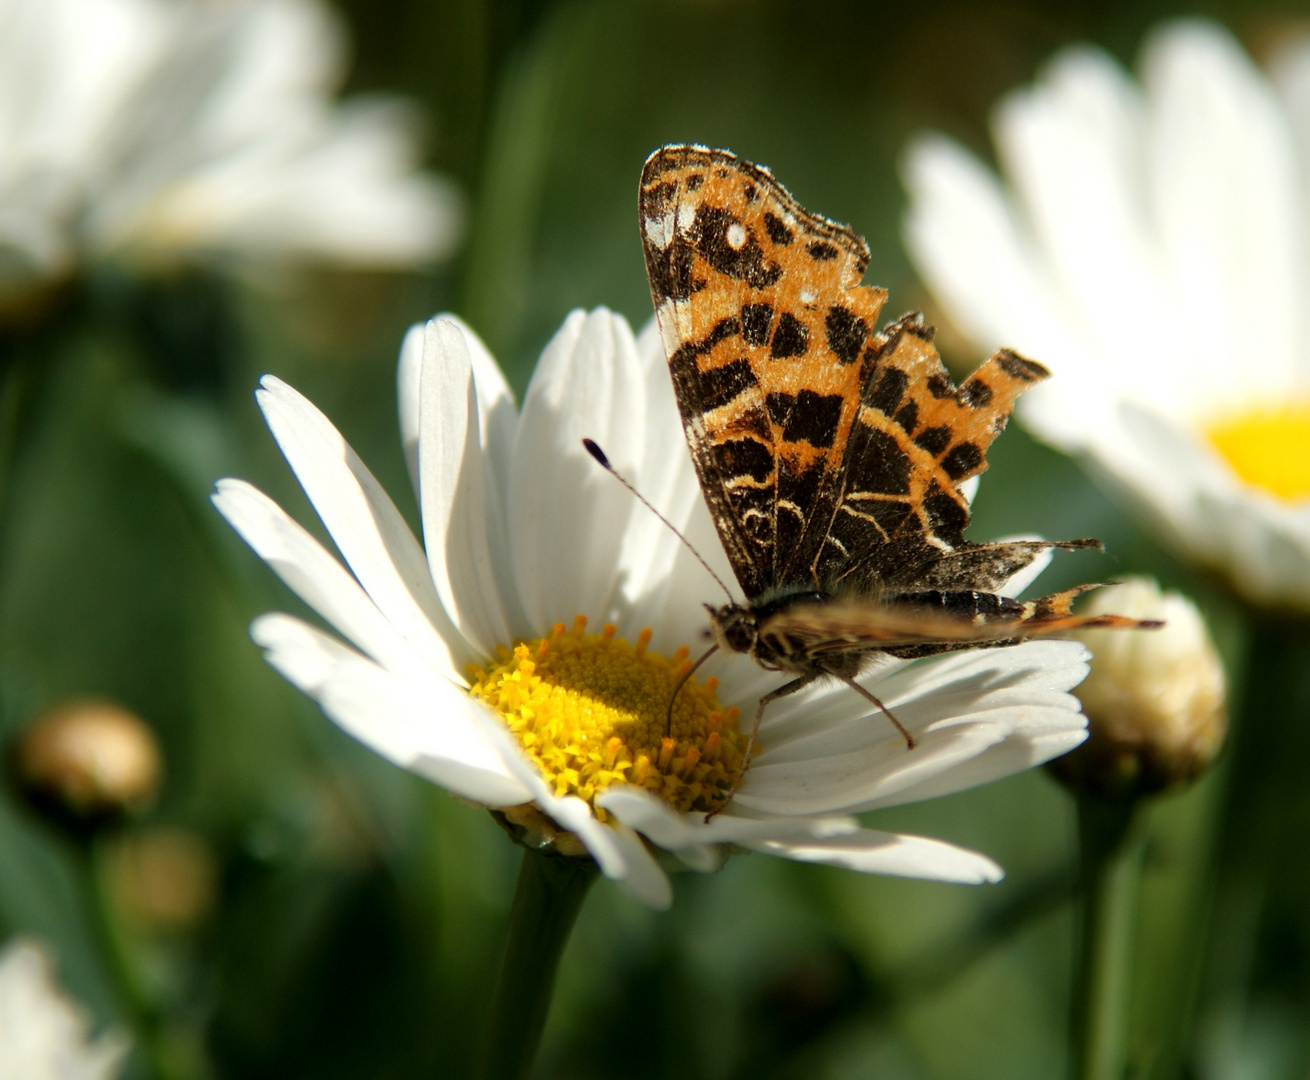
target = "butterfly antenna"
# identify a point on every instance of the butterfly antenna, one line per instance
(599, 454)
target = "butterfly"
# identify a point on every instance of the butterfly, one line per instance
(832, 455)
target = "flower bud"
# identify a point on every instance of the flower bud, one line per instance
(165, 879)
(1155, 700)
(86, 762)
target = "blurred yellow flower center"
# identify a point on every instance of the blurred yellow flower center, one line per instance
(1268, 447)
(591, 710)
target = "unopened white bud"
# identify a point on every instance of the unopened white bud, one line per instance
(1156, 701)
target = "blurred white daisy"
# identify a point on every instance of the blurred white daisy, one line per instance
(162, 130)
(1151, 244)
(43, 1034)
(472, 663)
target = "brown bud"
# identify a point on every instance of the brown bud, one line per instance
(165, 879)
(88, 761)
(1155, 700)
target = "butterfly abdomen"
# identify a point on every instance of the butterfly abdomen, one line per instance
(961, 603)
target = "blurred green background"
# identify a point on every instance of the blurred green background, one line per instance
(357, 912)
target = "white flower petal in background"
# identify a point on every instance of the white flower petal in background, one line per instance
(44, 1035)
(1150, 242)
(581, 550)
(159, 131)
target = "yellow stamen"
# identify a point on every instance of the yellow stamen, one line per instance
(1268, 447)
(590, 710)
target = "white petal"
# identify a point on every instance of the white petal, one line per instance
(642, 877)
(45, 1034)
(229, 145)
(654, 583)
(974, 255)
(1289, 67)
(497, 414)
(1027, 700)
(1072, 145)
(651, 816)
(1200, 508)
(669, 587)
(857, 766)
(618, 851)
(462, 516)
(873, 852)
(316, 577)
(426, 727)
(681, 617)
(969, 488)
(976, 716)
(642, 812)
(1225, 197)
(1025, 577)
(364, 523)
(569, 520)
(408, 370)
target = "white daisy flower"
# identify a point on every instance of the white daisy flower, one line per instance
(1149, 243)
(43, 1034)
(160, 130)
(471, 663)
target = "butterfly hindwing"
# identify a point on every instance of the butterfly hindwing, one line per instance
(917, 439)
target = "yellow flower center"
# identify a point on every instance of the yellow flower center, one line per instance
(592, 711)
(1268, 447)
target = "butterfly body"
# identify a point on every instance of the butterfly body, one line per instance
(831, 453)
(810, 633)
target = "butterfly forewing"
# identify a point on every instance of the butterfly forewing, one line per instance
(767, 331)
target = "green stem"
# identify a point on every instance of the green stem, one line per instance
(117, 952)
(547, 899)
(1110, 857)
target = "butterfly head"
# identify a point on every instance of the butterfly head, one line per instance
(745, 628)
(734, 628)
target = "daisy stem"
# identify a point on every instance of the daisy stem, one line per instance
(122, 967)
(1110, 836)
(547, 898)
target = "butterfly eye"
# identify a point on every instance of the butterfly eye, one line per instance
(739, 633)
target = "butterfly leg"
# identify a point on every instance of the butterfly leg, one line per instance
(786, 688)
(868, 695)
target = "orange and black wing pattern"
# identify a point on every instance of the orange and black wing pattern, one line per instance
(830, 453)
